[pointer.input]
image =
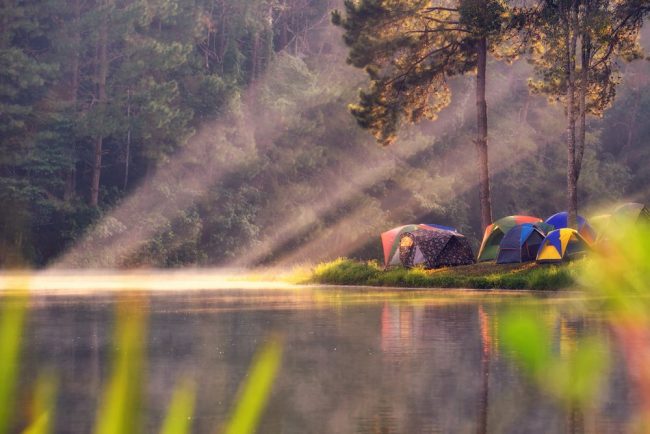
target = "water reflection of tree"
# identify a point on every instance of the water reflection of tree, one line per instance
(486, 342)
(407, 329)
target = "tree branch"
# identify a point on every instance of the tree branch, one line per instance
(422, 59)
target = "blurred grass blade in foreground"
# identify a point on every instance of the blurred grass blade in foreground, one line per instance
(12, 318)
(120, 406)
(619, 273)
(43, 406)
(255, 390)
(574, 378)
(181, 409)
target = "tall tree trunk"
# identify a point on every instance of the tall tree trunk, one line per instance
(523, 112)
(481, 136)
(631, 126)
(585, 65)
(222, 38)
(284, 28)
(71, 173)
(255, 57)
(127, 150)
(572, 188)
(102, 73)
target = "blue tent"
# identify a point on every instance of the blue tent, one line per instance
(520, 244)
(561, 221)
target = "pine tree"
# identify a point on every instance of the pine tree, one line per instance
(597, 32)
(24, 78)
(409, 49)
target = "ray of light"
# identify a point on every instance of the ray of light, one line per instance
(339, 191)
(342, 238)
(218, 151)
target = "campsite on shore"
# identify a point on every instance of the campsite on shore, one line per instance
(517, 252)
(324, 216)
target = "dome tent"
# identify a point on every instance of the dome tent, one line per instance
(561, 220)
(495, 232)
(434, 248)
(520, 244)
(561, 245)
(630, 213)
(391, 238)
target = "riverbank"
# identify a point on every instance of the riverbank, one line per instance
(489, 275)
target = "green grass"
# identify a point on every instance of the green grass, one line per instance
(344, 271)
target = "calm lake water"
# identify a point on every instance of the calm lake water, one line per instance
(354, 361)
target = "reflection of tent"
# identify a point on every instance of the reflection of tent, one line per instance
(631, 213)
(434, 248)
(495, 232)
(390, 240)
(562, 244)
(561, 220)
(520, 244)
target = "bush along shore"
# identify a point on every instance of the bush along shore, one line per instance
(486, 275)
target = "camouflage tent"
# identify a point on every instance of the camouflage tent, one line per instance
(434, 248)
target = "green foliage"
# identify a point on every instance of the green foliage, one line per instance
(619, 271)
(408, 50)
(285, 146)
(172, 65)
(526, 338)
(574, 378)
(344, 271)
(551, 277)
(617, 274)
(606, 30)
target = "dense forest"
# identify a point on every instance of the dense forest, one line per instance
(217, 132)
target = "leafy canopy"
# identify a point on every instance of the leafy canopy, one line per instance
(409, 48)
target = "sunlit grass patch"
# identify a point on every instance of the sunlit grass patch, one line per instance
(343, 271)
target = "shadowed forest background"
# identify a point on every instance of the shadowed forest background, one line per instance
(216, 132)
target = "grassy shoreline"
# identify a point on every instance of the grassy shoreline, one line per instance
(489, 275)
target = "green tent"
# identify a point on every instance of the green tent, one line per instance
(495, 232)
(630, 213)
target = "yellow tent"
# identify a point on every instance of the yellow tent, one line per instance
(562, 244)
